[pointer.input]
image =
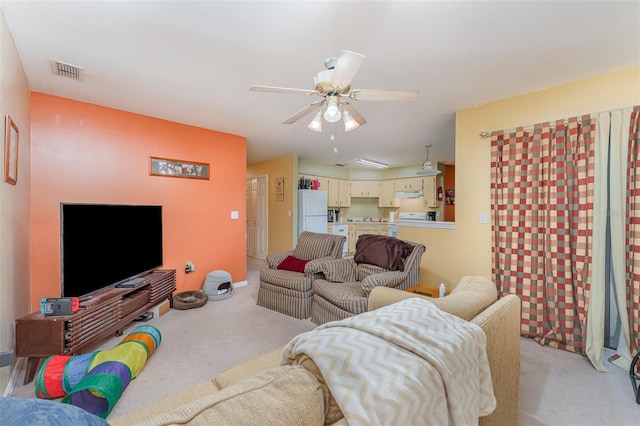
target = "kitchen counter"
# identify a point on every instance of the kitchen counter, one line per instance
(426, 224)
(366, 222)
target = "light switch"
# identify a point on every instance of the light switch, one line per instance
(234, 214)
(483, 218)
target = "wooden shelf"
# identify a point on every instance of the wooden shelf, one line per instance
(106, 313)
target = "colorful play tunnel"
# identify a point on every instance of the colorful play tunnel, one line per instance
(95, 381)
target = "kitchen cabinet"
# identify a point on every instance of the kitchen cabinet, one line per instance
(365, 188)
(357, 229)
(324, 183)
(339, 195)
(388, 194)
(351, 239)
(409, 184)
(430, 191)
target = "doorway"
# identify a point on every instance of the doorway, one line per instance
(257, 236)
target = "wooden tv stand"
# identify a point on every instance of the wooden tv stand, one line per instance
(105, 314)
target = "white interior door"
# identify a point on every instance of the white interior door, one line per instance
(253, 214)
(257, 217)
(262, 219)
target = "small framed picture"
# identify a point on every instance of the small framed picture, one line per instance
(450, 197)
(11, 135)
(169, 167)
(279, 189)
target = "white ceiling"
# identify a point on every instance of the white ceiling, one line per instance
(193, 62)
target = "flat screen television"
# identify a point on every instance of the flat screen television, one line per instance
(106, 245)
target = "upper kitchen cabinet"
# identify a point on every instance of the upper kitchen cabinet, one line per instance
(430, 187)
(388, 194)
(324, 183)
(339, 195)
(409, 184)
(365, 188)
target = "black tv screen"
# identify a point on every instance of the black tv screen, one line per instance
(103, 245)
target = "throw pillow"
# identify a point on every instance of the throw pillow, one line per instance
(291, 263)
(332, 412)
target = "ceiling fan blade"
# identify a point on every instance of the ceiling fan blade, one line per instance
(384, 95)
(304, 111)
(348, 64)
(271, 89)
(354, 113)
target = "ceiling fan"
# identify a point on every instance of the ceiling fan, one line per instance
(333, 85)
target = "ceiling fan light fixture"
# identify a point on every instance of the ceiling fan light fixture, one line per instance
(349, 122)
(370, 163)
(316, 123)
(332, 113)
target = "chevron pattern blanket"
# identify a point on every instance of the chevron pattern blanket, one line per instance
(406, 363)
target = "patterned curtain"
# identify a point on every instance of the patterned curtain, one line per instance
(542, 211)
(632, 243)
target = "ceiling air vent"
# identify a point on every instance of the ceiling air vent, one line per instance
(66, 70)
(339, 165)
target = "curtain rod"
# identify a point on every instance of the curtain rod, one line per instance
(486, 134)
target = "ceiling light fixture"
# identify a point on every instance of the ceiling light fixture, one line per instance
(316, 123)
(370, 163)
(349, 122)
(332, 113)
(427, 167)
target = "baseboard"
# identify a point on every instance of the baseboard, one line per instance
(240, 284)
(19, 368)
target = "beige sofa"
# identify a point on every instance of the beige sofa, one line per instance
(257, 391)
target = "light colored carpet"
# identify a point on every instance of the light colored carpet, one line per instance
(562, 388)
(556, 387)
(198, 343)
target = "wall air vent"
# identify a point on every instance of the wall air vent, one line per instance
(66, 70)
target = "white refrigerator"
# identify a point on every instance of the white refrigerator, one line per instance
(312, 211)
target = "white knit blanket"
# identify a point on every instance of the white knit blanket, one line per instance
(408, 363)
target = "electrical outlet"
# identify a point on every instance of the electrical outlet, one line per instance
(189, 267)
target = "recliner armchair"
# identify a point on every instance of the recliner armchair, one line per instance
(344, 289)
(290, 292)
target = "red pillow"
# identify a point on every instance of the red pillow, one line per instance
(293, 264)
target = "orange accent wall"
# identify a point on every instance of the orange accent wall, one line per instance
(449, 183)
(86, 153)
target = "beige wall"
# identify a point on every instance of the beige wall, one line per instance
(467, 249)
(15, 229)
(282, 214)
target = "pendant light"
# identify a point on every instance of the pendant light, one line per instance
(427, 167)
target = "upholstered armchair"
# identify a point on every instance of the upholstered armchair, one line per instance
(344, 289)
(286, 286)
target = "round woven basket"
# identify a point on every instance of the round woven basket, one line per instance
(189, 299)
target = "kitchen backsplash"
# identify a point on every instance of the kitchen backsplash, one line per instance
(368, 207)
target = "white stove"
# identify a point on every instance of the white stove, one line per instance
(412, 216)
